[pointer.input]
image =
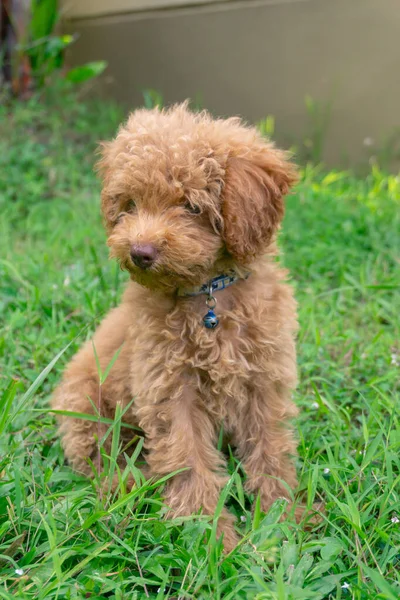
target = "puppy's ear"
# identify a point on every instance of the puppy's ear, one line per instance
(252, 203)
(104, 163)
(109, 205)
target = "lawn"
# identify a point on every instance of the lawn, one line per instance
(61, 538)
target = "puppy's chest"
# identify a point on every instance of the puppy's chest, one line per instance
(219, 361)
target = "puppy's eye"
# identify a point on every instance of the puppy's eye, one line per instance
(131, 207)
(192, 208)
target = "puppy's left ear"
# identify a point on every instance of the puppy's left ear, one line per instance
(252, 202)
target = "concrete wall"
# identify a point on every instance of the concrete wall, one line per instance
(95, 8)
(255, 58)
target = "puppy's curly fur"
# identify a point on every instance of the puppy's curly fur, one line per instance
(207, 195)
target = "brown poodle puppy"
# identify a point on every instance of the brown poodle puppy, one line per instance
(191, 206)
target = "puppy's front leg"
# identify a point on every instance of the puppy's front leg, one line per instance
(265, 443)
(180, 435)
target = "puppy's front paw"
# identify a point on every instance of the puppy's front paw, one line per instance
(270, 491)
(225, 526)
(116, 485)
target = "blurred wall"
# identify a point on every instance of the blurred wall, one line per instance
(257, 58)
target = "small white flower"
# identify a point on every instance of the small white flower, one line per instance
(346, 586)
(67, 281)
(395, 519)
(243, 519)
(315, 405)
(368, 141)
(19, 571)
(394, 359)
(326, 471)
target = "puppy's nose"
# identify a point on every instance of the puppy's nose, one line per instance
(143, 256)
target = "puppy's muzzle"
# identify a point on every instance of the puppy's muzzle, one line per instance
(143, 256)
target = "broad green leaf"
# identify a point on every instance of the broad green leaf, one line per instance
(86, 72)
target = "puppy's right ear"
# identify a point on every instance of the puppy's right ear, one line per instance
(109, 203)
(103, 164)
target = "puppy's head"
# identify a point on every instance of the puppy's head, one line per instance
(186, 197)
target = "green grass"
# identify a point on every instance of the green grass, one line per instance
(61, 538)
